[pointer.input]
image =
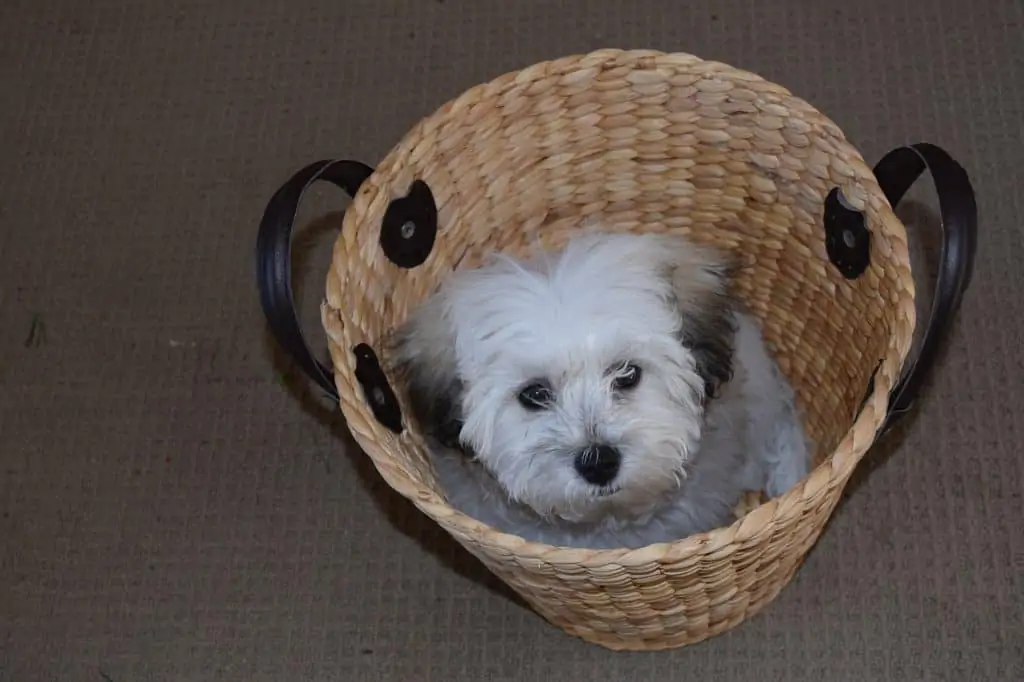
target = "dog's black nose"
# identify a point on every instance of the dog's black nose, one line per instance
(598, 464)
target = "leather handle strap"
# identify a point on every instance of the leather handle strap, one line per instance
(896, 172)
(274, 255)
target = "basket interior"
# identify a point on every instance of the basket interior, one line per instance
(654, 144)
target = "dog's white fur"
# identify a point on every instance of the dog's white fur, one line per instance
(711, 417)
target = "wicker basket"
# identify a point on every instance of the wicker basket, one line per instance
(653, 142)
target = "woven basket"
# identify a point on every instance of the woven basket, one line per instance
(651, 142)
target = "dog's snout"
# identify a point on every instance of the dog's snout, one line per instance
(598, 464)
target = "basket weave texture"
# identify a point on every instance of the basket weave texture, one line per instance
(647, 142)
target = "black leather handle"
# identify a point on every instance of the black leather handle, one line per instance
(896, 173)
(274, 255)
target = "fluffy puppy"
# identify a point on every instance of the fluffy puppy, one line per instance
(612, 394)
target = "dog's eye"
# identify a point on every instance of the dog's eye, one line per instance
(627, 376)
(536, 397)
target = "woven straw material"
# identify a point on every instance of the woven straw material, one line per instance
(647, 142)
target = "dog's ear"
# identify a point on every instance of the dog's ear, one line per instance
(422, 353)
(701, 288)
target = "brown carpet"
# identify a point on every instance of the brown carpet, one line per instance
(173, 510)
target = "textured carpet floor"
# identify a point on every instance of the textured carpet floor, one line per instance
(172, 510)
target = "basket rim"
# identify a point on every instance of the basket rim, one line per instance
(476, 535)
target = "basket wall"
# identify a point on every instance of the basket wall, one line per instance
(645, 141)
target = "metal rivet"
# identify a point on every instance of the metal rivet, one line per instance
(378, 395)
(408, 229)
(849, 239)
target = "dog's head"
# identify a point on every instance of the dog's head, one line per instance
(578, 379)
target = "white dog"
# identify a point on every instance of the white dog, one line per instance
(610, 395)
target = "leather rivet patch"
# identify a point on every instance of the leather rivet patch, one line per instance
(847, 239)
(409, 228)
(376, 390)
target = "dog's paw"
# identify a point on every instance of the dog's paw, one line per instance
(748, 502)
